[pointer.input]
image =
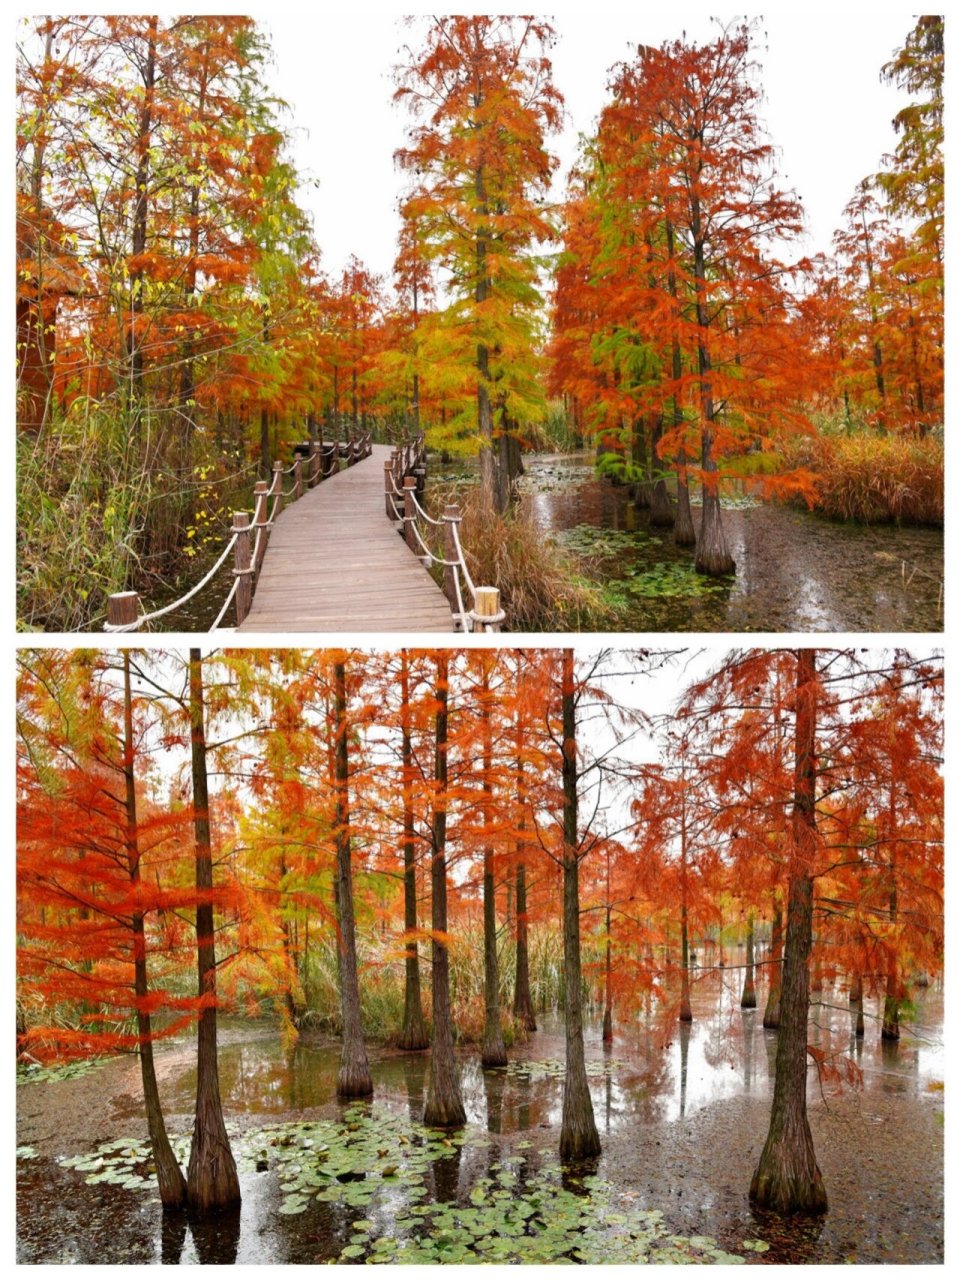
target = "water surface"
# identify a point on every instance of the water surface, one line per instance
(682, 1113)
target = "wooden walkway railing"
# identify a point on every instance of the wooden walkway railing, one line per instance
(315, 462)
(404, 474)
(316, 604)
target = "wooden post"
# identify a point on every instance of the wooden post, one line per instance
(242, 568)
(388, 490)
(315, 473)
(261, 521)
(278, 484)
(487, 605)
(123, 608)
(297, 477)
(451, 518)
(420, 473)
(409, 512)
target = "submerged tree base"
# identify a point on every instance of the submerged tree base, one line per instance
(354, 1083)
(413, 1039)
(789, 1194)
(444, 1113)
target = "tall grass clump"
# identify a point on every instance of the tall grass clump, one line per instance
(542, 586)
(102, 508)
(77, 529)
(556, 433)
(875, 479)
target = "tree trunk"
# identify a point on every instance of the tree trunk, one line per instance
(491, 487)
(608, 976)
(493, 1053)
(787, 1178)
(684, 533)
(522, 1002)
(413, 1035)
(138, 243)
(212, 1181)
(712, 556)
(187, 424)
(859, 1008)
(662, 514)
(353, 1080)
(890, 1029)
(686, 1013)
(578, 1131)
(771, 1014)
(748, 999)
(638, 456)
(444, 1106)
(170, 1179)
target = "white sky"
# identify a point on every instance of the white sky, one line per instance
(826, 109)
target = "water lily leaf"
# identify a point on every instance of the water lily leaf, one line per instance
(293, 1204)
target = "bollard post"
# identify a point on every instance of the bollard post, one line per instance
(242, 568)
(123, 608)
(278, 485)
(409, 512)
(451, 518)
(261, 522)
(297, 477)
(388, 490)
(314, 475)
(486, 608)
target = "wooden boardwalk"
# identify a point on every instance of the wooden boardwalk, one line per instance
(334, 562)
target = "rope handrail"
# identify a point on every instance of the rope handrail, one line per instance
(462, 559)
(315, 461)
(226, 604)
(406, 468)
(421, 512)
(169, 608)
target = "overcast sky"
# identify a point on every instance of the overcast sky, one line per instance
(826, 108)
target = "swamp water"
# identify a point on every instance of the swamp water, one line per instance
(796, 570)
(681, 1111)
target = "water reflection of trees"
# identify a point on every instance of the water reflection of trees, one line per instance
(216, 1239)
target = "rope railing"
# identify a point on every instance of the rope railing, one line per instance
(314, 462)
(404, 475)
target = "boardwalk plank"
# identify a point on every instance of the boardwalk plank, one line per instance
(334, 562)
